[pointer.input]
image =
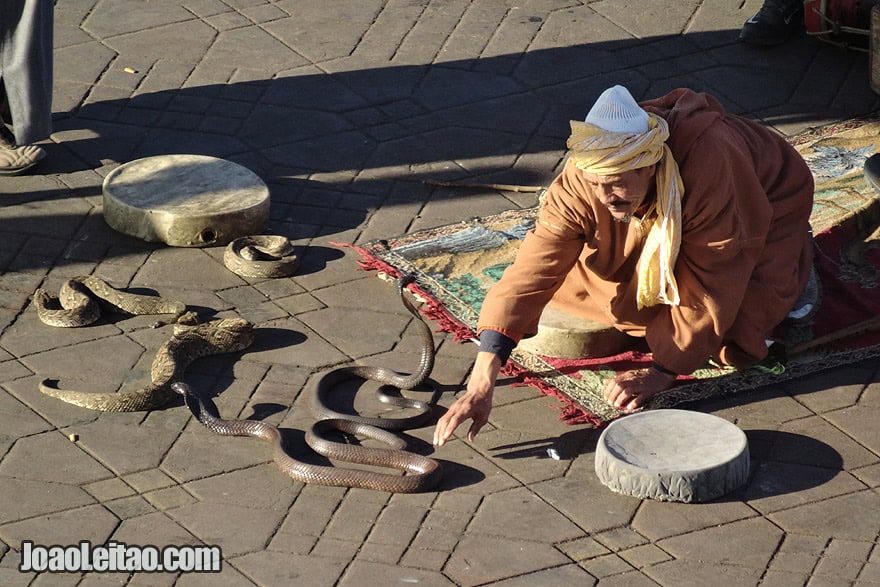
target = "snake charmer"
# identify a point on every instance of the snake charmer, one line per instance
(672, 220)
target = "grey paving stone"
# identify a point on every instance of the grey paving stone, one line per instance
(375, 332)
(807, 441)
(726, 544)
(656, 520)
(336, 548)
(195, 456)
(519, 512)
(703, 573)
(481, 559)
(143, 448)
(129, 507)
(289, 342)
(380, 553)
(155, 529)
(605, 566)
(25, 499)
(169, 498)
(263, 486)
(645, 555)
(20, 421)
(857, 423)
(60, 414)
(274, 568)
(93, 523)
(364, 573)
(774, 486)
(559, 577)
(848, 516)
(108, 489)
(582, 548)
(59, 461)
(832, 390)
(585, 501)
(235, 529)
(869, 475)
(228, 576)
(466, 471)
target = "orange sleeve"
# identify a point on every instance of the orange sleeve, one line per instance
(513, 306)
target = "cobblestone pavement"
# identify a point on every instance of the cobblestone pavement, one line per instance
(343, 108)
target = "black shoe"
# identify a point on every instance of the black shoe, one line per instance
(773, 23)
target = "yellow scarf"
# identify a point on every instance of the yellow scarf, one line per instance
(598, 151)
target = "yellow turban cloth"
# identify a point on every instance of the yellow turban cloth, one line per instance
(598, 151)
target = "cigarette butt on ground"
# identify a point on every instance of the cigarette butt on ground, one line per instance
(73, 437)
(129, 70)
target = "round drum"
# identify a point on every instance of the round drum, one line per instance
(185, 200)
(672, 455)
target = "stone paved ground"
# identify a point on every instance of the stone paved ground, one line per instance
(344, 108)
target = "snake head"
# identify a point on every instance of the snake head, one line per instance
(181, 388)
(235, 333)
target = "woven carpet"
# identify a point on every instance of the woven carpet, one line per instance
(456, 264)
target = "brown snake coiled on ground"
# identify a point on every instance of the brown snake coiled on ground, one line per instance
(423, 472)
(385, 376)
(80, 300)
(261, 256)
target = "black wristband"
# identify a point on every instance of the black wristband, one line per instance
(663, 370)
(492, 341)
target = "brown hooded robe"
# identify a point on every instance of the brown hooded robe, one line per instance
(745, 255)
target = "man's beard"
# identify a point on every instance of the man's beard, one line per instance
(625, 219)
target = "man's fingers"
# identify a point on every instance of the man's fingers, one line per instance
(445, 427)
(476, 425)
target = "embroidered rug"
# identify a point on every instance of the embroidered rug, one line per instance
(456, 264)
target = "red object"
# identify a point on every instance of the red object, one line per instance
(834, 17)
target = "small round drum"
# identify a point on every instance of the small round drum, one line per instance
(672, 455)
(185, 200)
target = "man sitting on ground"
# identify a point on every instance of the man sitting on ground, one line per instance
(673, 221)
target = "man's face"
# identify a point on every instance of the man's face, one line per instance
(623, 193)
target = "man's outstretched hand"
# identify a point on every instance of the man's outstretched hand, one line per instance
(633, 389)
(475, 404)
(468, 407)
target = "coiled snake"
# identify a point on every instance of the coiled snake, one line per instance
(80, 300)
(261, 256)
(423, 472)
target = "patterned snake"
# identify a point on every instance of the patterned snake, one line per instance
(80, 300)
(186, 345)
(261, 256)
(423, 472)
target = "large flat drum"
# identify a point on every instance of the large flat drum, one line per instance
(185, 200)
(672, 455)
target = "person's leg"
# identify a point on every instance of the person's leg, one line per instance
(774, 23)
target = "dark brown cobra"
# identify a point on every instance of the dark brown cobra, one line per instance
(386, 376)
(423, 473)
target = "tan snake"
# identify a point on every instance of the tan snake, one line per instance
(186, 345)
(80, 300)
(423, 472)
(261, 256)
